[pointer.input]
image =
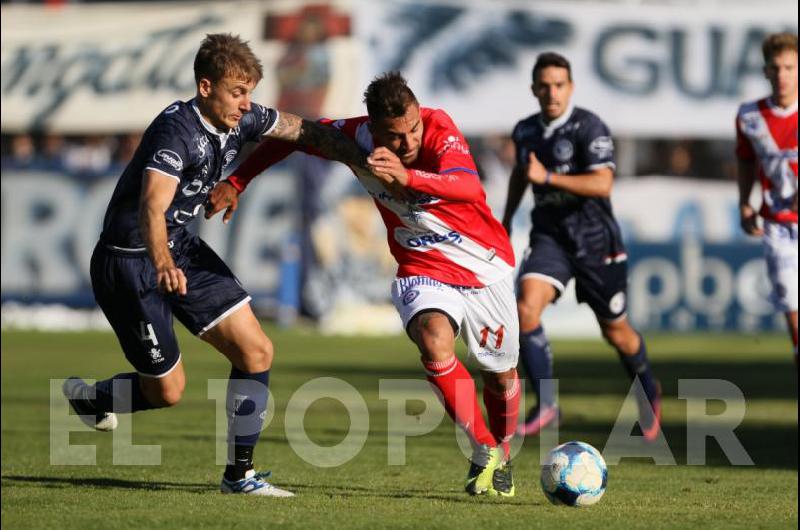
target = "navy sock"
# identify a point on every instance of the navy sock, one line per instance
(246, 406)
(537, 360)
(124, 396)
(638, 366)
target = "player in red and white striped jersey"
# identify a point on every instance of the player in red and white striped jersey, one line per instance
(455, 261)
(766, 146)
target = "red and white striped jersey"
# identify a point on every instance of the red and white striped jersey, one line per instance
(767, 134)
(447, 232)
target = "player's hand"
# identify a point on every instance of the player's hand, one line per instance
(385, 165)
(749, 220)
(537, 173)
(223, 197)
(170, 279)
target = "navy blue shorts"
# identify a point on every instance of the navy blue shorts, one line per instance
(602, 284)
(124, 284)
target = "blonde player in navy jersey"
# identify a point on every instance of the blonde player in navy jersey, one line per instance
(566, 155)
(147, 268)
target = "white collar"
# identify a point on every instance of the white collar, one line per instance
(550, 128)
(223, 136)
(781, 112)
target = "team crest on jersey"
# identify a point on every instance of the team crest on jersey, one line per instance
(229, 156)
(563, 150)
(170, 158)
(410, 296)
(602, 146)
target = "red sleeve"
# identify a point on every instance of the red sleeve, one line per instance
(453, 175)
(744, 149)
(270, 151)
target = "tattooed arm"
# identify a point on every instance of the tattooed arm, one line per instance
(329, 141)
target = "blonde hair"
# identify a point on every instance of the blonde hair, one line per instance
(226, 55)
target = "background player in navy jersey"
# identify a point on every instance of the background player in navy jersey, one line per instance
(147, 267)
(567, 155)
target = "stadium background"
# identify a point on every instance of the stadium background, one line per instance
(80, 81)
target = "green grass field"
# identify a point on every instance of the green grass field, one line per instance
(366, 492)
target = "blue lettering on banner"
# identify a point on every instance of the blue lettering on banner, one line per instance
(695, 286)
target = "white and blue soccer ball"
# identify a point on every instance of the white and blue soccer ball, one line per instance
(574, 474)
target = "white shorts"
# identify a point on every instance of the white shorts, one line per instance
(780, 250)
(487, 317)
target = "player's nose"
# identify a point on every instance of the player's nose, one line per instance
(245, 105)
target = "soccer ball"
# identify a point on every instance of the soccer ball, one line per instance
(574, 474)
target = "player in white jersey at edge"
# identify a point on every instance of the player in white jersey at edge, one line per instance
(455, 261)
(766, 148)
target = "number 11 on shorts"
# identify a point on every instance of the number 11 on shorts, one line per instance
(498, 334)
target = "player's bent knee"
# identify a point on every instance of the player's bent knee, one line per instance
(434, 345)
(259, 357)
(529, 315)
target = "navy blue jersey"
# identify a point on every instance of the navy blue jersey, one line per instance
(575, 143)
(183, 145)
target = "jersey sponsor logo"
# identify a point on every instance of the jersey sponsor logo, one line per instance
(170, 158)
(563, 150)
(602, 146)
(410, 296)
(202, 142)
(425, 241)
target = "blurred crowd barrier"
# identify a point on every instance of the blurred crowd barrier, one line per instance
(80, 83)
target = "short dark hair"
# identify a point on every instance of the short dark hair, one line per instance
(776, 43)
(225, 55)
(388, 96)
(551, 59)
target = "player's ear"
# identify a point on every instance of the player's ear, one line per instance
(204, 87)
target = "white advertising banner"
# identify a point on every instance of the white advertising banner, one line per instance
(113, 67)
(647, 70)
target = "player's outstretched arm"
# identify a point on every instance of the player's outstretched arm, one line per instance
(517, 184)
(330, 142)
(158, 191)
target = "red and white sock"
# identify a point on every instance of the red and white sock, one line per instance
(503, 410)
(457, 393)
